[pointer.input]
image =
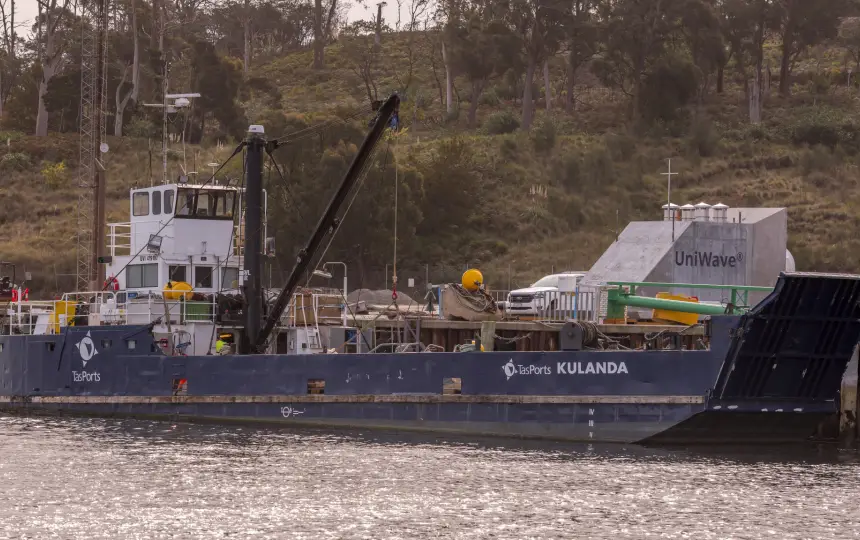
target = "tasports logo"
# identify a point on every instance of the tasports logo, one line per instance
(87, 348)
(707, 258)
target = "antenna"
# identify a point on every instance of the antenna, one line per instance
(668, 176)
(180, 101)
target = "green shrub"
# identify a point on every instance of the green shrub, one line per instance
(510, 149)
(816, 159)
(55, 174)
(828, 128)
(598, 168)
(501, 122)
(490, 98)
(622, 146)
(704, 138)
(15, 161)
(543, 135)
(667, 88)
(141, 127)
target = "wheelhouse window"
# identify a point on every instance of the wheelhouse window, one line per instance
(156, 203)
(140, 203)
(206, 203)
(229, 278)
(178, 273)
(139, 276)
(168, 201)
(203, 277)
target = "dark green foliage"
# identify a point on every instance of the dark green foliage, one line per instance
(501, 122)
(704, 137)
(15, 161)
(622, 146)
(670, 86)
(827, 128)
(543, 135)
(218, 81)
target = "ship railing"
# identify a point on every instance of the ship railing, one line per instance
(313, 309)
(580, 304)
(100, 307)
(146, 310)
(29, 318)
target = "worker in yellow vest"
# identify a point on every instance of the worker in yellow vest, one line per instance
(222, 346)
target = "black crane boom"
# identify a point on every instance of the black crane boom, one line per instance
(328, 223)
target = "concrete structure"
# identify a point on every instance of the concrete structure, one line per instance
(747, 248)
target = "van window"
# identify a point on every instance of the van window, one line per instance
(547, 281)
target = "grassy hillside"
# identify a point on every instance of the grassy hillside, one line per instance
(550, 199)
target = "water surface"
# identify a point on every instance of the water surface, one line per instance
(76, 478)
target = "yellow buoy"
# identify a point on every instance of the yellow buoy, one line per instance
(174, 290)
(472, 279)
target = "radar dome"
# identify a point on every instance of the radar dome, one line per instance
(472, 279)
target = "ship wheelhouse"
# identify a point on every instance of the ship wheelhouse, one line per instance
(178, 233)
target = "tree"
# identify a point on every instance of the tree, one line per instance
(362, 56)
(801, 25)
(324, 18)
(746, 24)
(51, 43)
(124, 94)
(218, 81)
(849, 37)
(581, 33)
(482, 47)
(10, 66)
(702, 32)
(537, 24)
(637, 32)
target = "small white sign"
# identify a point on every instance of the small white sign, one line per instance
(103, 148)
(411, 282)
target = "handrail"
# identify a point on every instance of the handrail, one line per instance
(750, 288)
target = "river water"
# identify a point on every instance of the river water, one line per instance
(78, 478)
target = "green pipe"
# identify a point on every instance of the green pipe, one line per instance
(669, 305)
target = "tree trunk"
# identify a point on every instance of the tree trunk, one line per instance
(121, 102)
(571, 85)
(153, 37)
(319, 45)
(477, 88)
(449, 83)
(246, 59)
(720, 77)
(135, 70)
(637, 92)
(785, 67)
(547, 88)
(42, 116)
(528, 100)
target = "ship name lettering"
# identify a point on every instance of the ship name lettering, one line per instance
(591, 368)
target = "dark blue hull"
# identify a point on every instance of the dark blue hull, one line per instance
(769, 376)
